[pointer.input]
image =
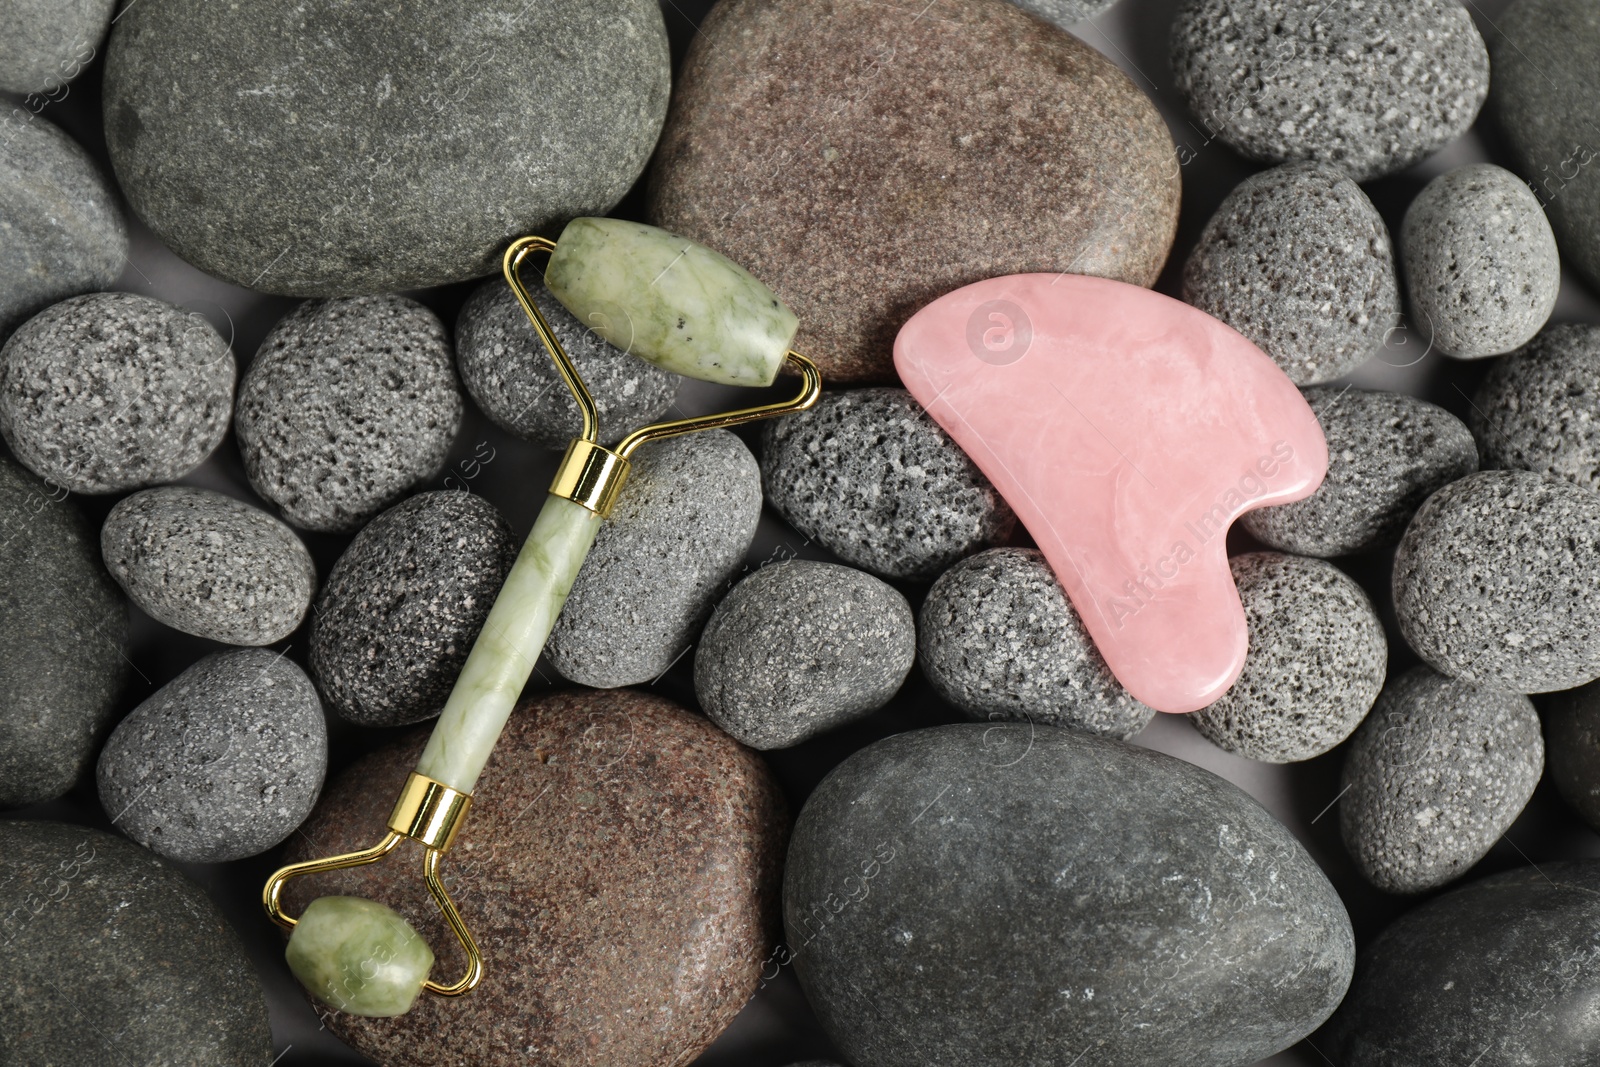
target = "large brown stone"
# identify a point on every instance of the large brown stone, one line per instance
(864, 157)
(619, 868)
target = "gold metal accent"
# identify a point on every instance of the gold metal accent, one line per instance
(429, 811)
(810, 389)
(590, 475)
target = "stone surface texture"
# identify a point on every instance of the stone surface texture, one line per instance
(1539, 408)
(44, 44)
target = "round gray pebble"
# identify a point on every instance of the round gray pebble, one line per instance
(109, 391)
(1480, 261)
(677, 537)
(1497, 582)
(799, 648)
(1316, 661)
(1572, 728)
(515, 382)
(1370, 87)
(404, 604)
(868, 476)
(347, 405)
(222, 762)
(1439, 770)
(44, 44)
(1387, 453)
(1065, 13)
(1299, 261)
(209, 565)
(1539, 408)
(999, 639)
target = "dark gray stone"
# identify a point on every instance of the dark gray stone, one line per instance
(107, 392)
(114, 957)
(677, 537)
(1539, 408)
(799, 648)
(209, 565)
(403, 605)
(347, 405)
(980, 894)
(1497, 582)
(1368, 87)
(331, 149)
(1572, 729)
(1387, 453)
(44, 44)
(867, 475)
(1434, 776)
(1316, 661)
(62, 663)
(999, 639)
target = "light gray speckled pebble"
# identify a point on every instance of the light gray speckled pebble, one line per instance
(347, 405)
(678, 535)
(1387, 453)
(1316, 661)
(1572, 730)
(1065, 13)
(515, 382)
(867, 475)
(209, 565)
(999, 639)
(1299, 261)
(1370, 87)
(222, 762)
(1539, 408)
(44, 44)
(1497, 581)
(1435, 775)
(799, 648)
(111, 391)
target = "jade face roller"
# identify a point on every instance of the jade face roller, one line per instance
(667, 300)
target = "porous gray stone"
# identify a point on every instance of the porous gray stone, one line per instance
(999, 639)
(1497, 582)
(404, 604)
(515, 383)
(1572, 730)
(44, 44)
(867, 475)
(110, 391)
(1387, 453)
(209, 565)
(1315, 664)
(1299, 261)
(1539, 408)
(1016, 894)
(62, 658)
(347, 405)
(799, 648)
(1480, 260)
(1369, 87)
(113, 956)
(677, 537)
(1434, 776)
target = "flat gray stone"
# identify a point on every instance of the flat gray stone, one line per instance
(1537, 409)
(1572, 728)
(44, 44)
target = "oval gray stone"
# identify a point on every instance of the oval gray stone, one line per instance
(209, 565)
(799, 648)
(44, 44)
(1076, 855)
(1539, 408)
(1572, 732)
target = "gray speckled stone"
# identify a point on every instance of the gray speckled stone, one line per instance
(1480, 259)
(110, 391)
(44, 44)
(1387, 453)
(347, 405)
(799, 648)
(1572, 730)
(979, 894)
(999, 639)
(209, 565)
(870, 477)
(1370, 87)
(114, 957)
(403, 605)
(1434, 776)
(1497, 582)
(1299, 261)
(1065, 13)
(1539, 408)
(677, 536)
(515, 382)
(222, 762)
(62, 663)
(1316, 661)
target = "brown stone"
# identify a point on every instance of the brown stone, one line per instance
(864, 157)
(620, 869)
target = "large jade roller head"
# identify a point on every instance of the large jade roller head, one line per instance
(666, 300)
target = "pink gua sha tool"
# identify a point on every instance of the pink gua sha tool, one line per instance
(1128, 430)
